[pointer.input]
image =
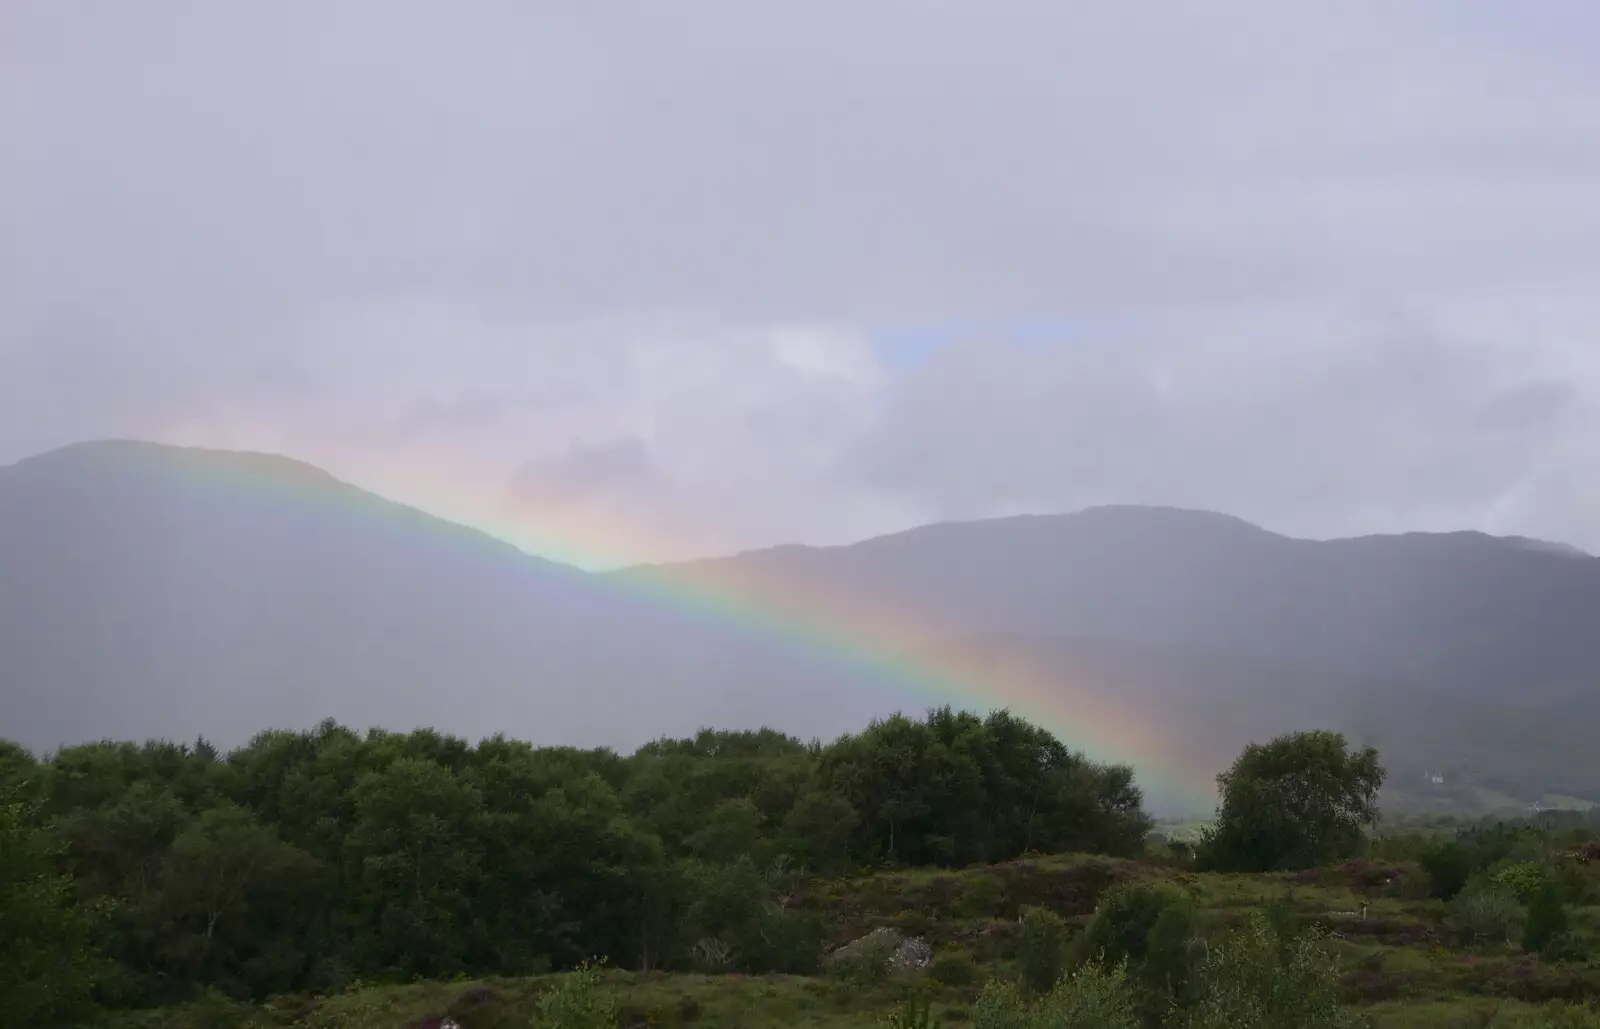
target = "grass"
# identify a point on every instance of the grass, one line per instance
(1402, 966)
(660, 1000)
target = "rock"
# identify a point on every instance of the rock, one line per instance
(912, 953)
(889, 946)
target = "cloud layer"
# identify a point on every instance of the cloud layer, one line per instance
(1324, 264)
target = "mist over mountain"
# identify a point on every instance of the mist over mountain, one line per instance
(151, 591)
(1500, 619)
(156, 591)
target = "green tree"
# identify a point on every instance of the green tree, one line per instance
(817, 830)
(957, 789)
(416, 846)
(1299, 801)
(731, 830)
(45, 964)
(225, 876)
(304, 861)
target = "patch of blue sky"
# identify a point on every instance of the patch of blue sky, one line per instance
(908, 344)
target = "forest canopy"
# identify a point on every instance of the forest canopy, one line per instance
(305, 861)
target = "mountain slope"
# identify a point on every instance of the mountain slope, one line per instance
(1213, 704)
(1463, 613)
(156, 591)
(151, 591)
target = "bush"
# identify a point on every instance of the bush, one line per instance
(1171, 956)
(476, 1008)
(781, 940)
(213, 1010)
(1484, 912)
(1547, 919)
(916, 1013)
(867, 961)
(1043, 945)
(1523, 878)
(1281, 916)
(1255, 979)
(1560, 1016)
(953, 968)
(983, 895)
(579, 1000)
(1449, 866)
(1123, 919)
(1566, 948)
(1091, 998)
(1580, 886)
(45, 968)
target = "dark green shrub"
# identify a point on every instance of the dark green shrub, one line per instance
(1449, 866)
(953, 968)
(1566, 948)
(1547, 919)
(1090, 998)
(1171, 954)
(1485, 913)
(1282, 917)
(482, 1007)
(1552, 1016)
(983, 895)
(688, 1008)
(915, 1013)
(1579, 885)
(865, 962)
(1042, 947)
(781, 940)
(1123, 919)
(213, 1010)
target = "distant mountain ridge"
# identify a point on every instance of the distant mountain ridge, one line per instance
(1463, 612)
(158, 591)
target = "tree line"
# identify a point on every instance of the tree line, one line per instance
(307, 861)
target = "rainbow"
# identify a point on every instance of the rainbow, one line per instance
(913, 660)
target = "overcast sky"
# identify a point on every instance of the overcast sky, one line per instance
(720, 273)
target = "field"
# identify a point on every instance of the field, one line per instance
(1403, 966)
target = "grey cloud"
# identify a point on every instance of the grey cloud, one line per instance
(400, 234)
(471, 408)
(584, 472)
(1375, 427)
(791, 161)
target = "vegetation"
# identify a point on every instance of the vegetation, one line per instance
(44, 974)
(1296, 802)
(309, 862)
(946, 872)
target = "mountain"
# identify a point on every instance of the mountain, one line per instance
(151, 591)
(1493, 619)
(1211, 704)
